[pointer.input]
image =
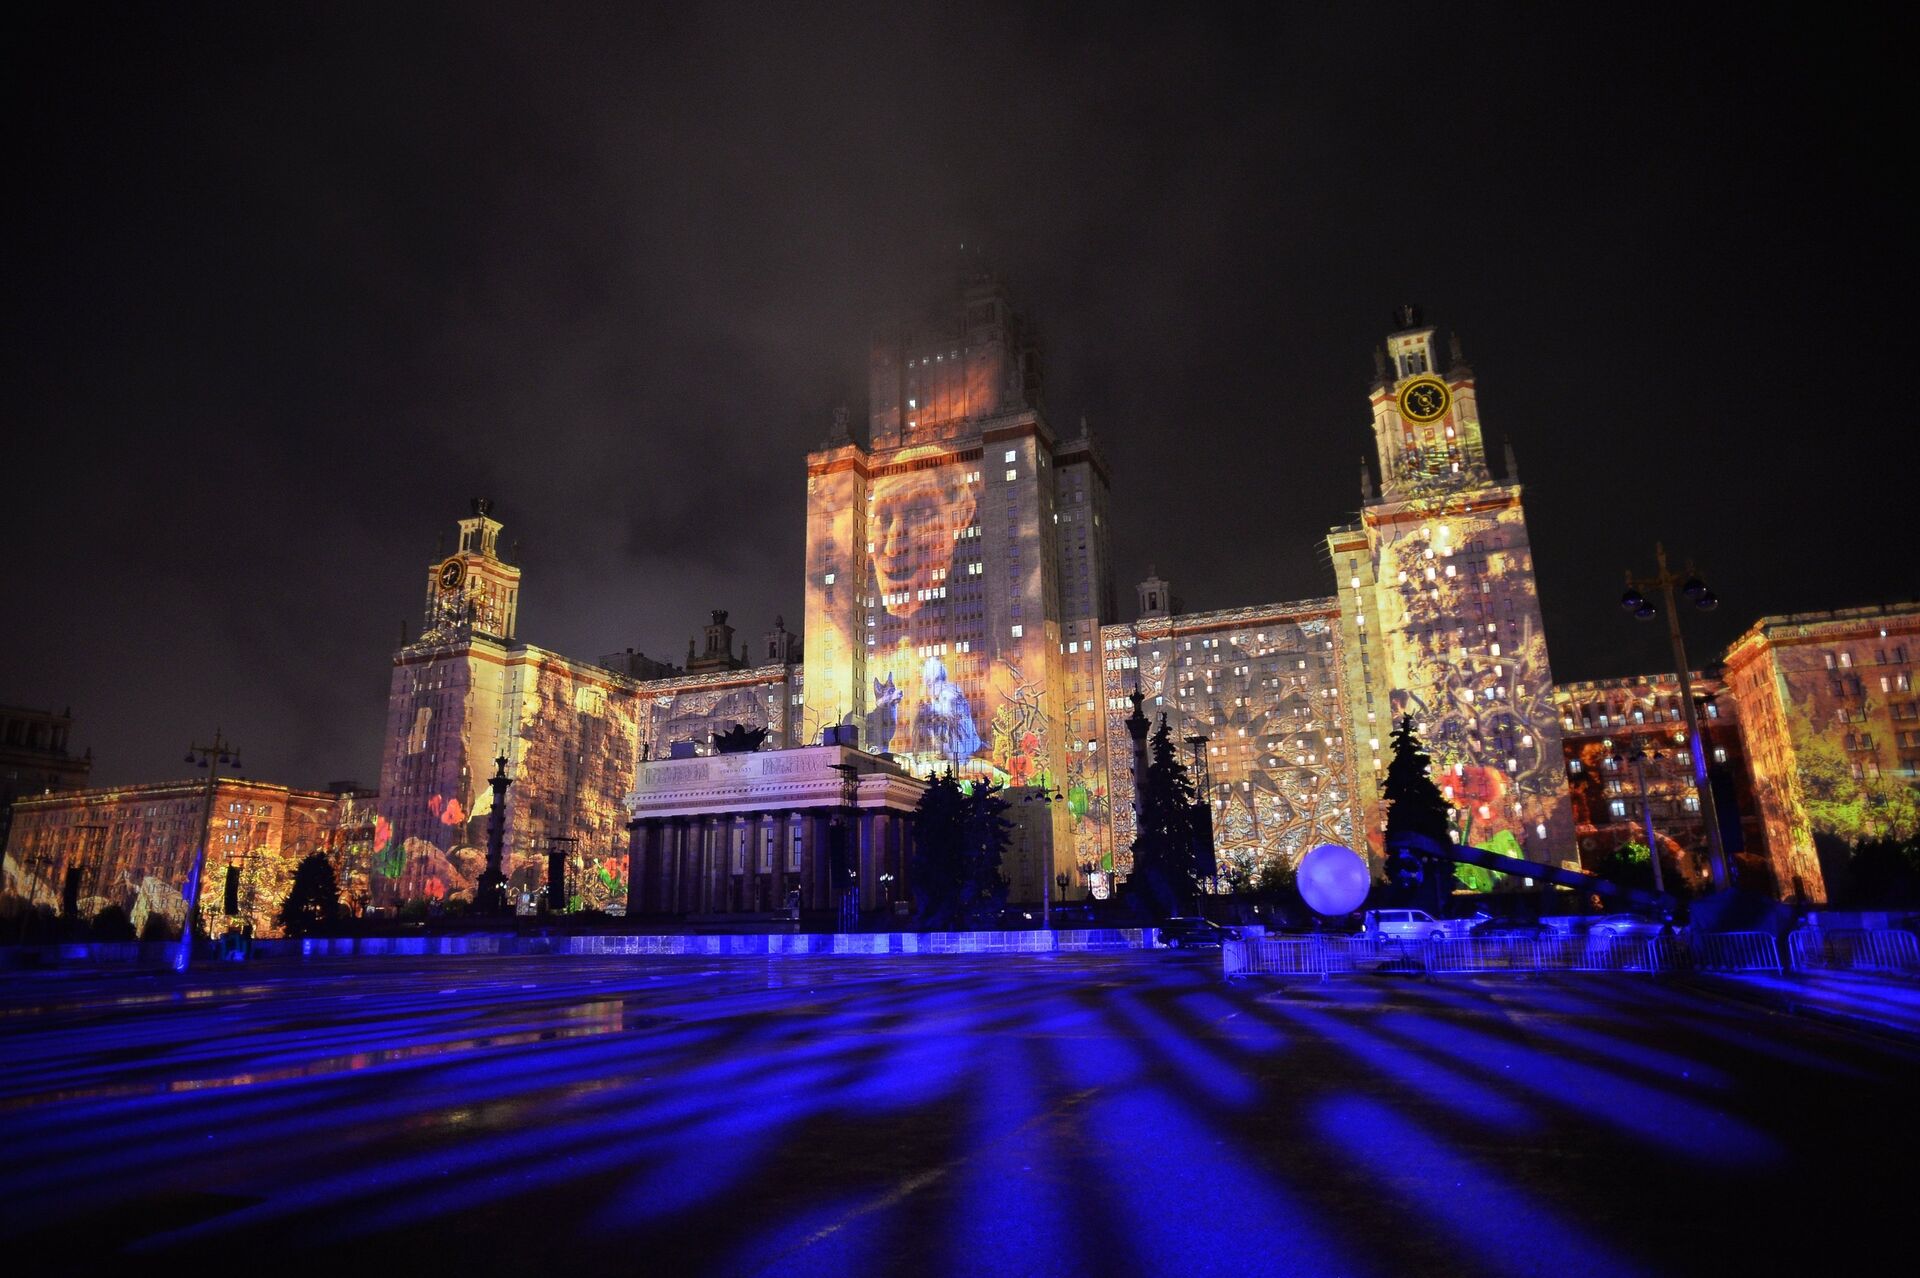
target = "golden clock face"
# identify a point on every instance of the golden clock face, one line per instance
(1425, 399)
(452, 573)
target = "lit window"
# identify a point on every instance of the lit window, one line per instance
(1011, 454)
(1018, 631)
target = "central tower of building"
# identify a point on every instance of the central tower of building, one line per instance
(953, 560)
(1440, 615)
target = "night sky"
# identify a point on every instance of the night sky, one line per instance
(287, 286)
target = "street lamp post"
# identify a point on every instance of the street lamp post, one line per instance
(1048, 798)
(1046, 896)
(559, 853)
(210, 757)
(1635, 601)
(844, 845)
(85, 863)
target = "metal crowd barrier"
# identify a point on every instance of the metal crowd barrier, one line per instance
(1575, 953)
(1815, 949)
(1736, 952)
(1273, 956)
(1320, 956)
(1333, 955)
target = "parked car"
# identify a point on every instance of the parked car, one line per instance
(1405, 925)
(1529, 928)
(1177, 934)
(1631, 926)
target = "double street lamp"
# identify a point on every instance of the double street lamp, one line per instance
(222, 753)
(1696, 592)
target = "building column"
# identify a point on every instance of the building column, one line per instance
(906, 855)
(767, 835)
(709, 877)
(695, 866)
(648, 900)
(820, 862)
(734, 886)
(644, 874)
(869, 875)
(657, 885)
(636, 864)
(782, 852)
(670, 865)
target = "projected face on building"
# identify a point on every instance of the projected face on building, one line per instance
(926, 677)
(916, 515)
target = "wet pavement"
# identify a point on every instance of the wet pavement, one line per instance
(1048, 1114)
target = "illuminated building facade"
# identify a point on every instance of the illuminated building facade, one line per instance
(1605, 721)
(132, 846)
(952, 561)
(1265, 687)
(960, 613)
(1440, 615)
(758, 688)
(466, 693)
(35, 758)
(1832, 727)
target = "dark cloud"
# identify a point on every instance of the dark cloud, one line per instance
(289, 284)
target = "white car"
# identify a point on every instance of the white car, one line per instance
(1626, 926)
(1405, 925)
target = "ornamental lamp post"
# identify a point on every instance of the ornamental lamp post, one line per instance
(210, 757)
(1696, 592)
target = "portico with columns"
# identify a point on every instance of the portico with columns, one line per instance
(739, 833)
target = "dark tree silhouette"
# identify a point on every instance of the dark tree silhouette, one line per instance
(112, 924)
(1631, 866)
(315, 899)
(984, 893)
(1884, 872)
(939, 867)
(1165, 868)
(960, 836)
(1415, 805)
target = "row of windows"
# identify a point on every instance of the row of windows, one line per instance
(1844, 660)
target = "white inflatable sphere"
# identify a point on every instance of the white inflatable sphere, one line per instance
(1333, 879)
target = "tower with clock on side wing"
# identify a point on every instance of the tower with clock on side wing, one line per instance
(474, 588)
(1440, 612)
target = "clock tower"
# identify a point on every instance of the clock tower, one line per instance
(1440, 613)
(1426, 425)
(473, 587)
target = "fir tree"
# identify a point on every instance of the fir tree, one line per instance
(984, 888)
(315, 899)
(939, 869)
(1165, 867)
(1415, 806)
